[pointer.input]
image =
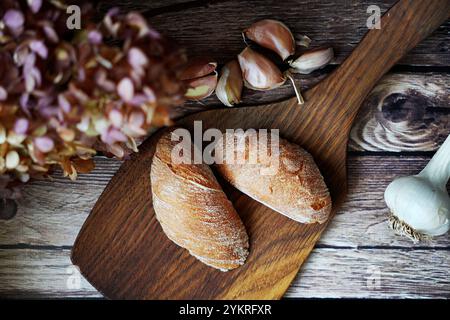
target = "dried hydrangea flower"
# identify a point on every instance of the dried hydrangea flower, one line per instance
(66, 94)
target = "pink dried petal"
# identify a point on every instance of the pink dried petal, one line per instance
(3, 94)
(112, 136)
(103, 82)
(136, 76)
(134, 19)
(48, 111)
(20, 55)
(39, 47)
(135, 122)
(45, 100)
(29, 61)
(139, 100)
(81, 74)
(117, 135)
(116, 150)
(34, 5)
(79, 94)
(84, 124)
(21, 126)
(50, 33)
(125, 89)
(111, 26)
(136, 58)
(150, 94)
(136, 119)
(36, 74)
(116, 118)
(94, 37)
(13, 19)
(30, 83)
(44, 144)
(24, 98)
(152, 33)
(64, 103)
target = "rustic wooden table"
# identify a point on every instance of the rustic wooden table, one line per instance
(402, 122)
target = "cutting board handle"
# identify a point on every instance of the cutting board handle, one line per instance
(402, 27)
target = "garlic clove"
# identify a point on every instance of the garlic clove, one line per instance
(201, 88)
(312, 60)
(273, 35)
(229, 86)
(258, 72)
(197, 68)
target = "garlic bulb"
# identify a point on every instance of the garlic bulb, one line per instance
(229, 86)
(420, 204)
(273, 35)
(312, 60)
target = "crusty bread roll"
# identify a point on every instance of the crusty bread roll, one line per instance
(287, 181)
(194, 212)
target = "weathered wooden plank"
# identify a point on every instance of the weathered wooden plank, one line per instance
(214, 27)
(41, 273)
(329, 273)
(52, 212)
(337, 273)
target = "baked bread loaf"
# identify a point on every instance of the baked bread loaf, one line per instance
(286, 179)
(194, 212)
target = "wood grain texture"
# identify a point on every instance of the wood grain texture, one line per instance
(339, 23)
(123, 252)
(401, 112)
(328, 273)
(30, 273)
(373, 273)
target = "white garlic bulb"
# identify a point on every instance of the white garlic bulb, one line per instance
(420, 204)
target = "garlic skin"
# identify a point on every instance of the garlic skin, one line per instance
(303, 41)
(201, 88)
(273, 35)
(258, 72)
(420, 204)
(198, 67)
(229, 86)
(312, 60)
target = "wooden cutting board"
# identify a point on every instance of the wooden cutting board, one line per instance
(121, 248)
